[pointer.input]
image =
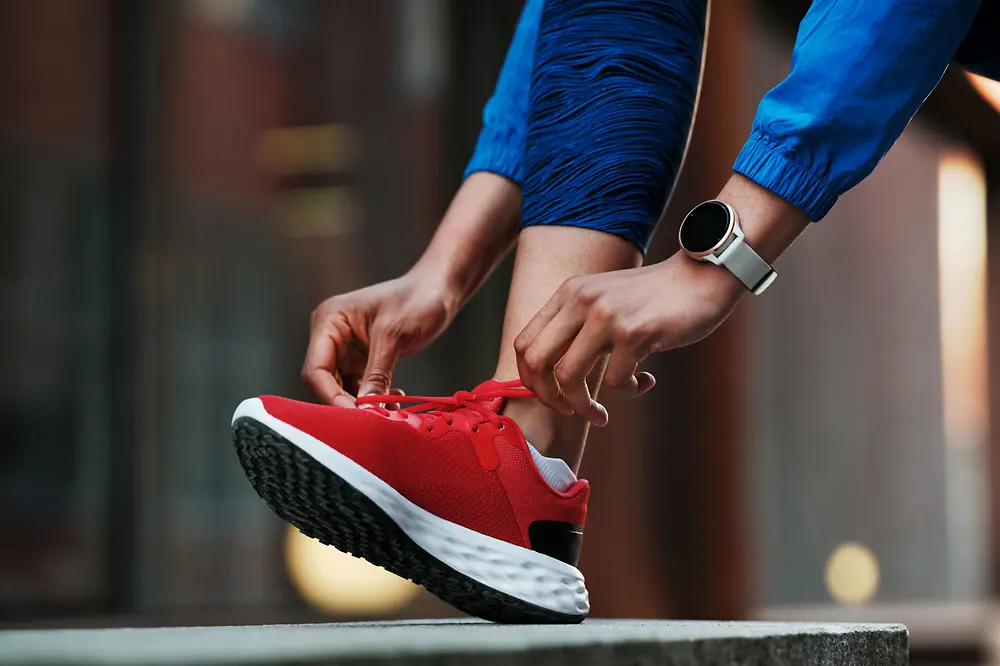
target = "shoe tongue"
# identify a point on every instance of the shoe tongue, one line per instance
(492, 404)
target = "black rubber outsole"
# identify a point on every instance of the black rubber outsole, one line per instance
(323, 506)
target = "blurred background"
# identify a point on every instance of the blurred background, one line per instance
(182, 181)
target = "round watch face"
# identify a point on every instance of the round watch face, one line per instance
(705, 227)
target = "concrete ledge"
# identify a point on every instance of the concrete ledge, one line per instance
(608, 643)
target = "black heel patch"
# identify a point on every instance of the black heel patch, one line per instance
(559, 540)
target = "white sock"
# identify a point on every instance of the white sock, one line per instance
(554, 470)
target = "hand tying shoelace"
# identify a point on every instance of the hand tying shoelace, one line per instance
(485, 402)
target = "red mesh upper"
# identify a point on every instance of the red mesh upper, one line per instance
(441, 471)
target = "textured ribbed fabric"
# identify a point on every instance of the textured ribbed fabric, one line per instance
(613, 91)
(764, 162)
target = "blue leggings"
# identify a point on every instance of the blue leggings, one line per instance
(605, 72)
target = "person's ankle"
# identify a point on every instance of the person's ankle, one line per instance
(538, 427)
(551, 433)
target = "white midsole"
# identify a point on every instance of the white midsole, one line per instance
(525, 574)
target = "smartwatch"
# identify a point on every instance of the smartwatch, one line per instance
(711, 232)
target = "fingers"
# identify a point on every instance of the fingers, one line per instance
(646, 381)
(622, 373)
(542, 318)
(560, 346)
(576, 365)
(320, 367)
(383, 351)
(395, 391)
(537, 355)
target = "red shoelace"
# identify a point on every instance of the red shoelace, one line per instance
(431, 408)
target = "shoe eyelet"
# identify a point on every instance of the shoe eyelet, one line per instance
(475, 430)
(500, 427)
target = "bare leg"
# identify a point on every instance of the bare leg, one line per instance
(546, 257)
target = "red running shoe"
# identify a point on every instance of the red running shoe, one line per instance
(445, 493)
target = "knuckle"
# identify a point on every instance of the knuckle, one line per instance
(622, 332)
(324, 323)
(379, 376)
(588, 293)
(532, 360)
(564, 377)
(570, 285)
(641, 339)
(604, 313)
(392, 327)
(575, 288)
(398, 331)
(629, 333)
(326, 308)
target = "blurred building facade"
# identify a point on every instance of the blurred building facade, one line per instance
(184, 181)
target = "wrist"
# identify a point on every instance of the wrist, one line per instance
(769, 222)
(437, 278)
(478, 229)
(716, 283)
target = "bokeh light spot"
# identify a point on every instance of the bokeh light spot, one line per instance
(852, 573)
(336, 583)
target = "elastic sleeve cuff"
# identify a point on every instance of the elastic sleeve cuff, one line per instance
(764, 162)
(498, 156)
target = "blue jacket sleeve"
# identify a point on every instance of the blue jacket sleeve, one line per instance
(500, 148)
(860, 71)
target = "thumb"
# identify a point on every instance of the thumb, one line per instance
(382, 355)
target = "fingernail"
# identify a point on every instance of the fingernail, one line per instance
(602, 419)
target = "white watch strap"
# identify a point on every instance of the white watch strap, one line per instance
(744, 263)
